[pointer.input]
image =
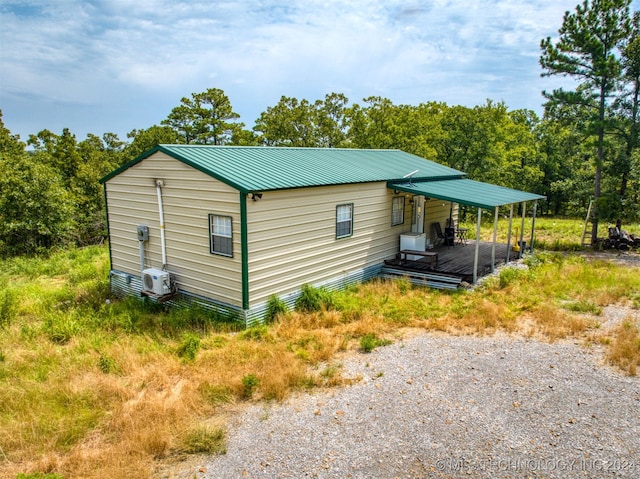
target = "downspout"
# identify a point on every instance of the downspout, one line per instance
(244, 249)
(159, 185)
(106, 207)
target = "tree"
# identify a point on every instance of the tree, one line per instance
(330, 121)
(144, 140)
(289, 123)
(587, 50)
(35, 207)
(205, 118)
(300, 123)
(627, 106)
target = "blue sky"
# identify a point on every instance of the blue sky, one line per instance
(116, 65)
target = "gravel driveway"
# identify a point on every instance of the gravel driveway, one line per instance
(443, 406)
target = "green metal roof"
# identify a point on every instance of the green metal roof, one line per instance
(466, 192)
(253, 169)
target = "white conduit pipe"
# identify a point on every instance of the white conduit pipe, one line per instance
(159, 184)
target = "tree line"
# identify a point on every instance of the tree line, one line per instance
(584, 147)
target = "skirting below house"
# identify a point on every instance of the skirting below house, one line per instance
(124, 284)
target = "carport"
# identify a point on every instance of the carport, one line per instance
(481, 196)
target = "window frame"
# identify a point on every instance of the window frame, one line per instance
(394, 219)
(339, 233)
(212, 235)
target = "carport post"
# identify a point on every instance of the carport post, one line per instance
(495, 237)
(475, 259)
(509, 234)
(533, 224)
(524, 212)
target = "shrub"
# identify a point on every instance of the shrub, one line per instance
(275, 307)
(313, 299)
(249, 383)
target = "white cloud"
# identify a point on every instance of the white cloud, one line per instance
(139, 57)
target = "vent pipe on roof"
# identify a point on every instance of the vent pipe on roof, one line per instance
(159, 185)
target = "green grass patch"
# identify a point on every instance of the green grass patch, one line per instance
(371, 341)
(205, 440)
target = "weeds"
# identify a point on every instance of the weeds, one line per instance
(249, 383)
(8, 305)
(205, 440)
(370, 341)
(624, 350)
(275, 308)
(84, 384)
(314, 299)
(189, 346)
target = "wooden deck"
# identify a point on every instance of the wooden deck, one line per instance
(458, 260)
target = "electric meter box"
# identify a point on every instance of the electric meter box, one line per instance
(143, 233)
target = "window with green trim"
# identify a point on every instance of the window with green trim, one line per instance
(397, 210)
(221, 235)
(344, 220)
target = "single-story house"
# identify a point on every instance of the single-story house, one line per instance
(227, 227)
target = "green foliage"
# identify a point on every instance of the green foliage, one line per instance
(8, 305)
(216, 393)
(144, 140)
(107, 364)
(314, 299)
(189, 346)
(205, 118)
(249, 383)
(370, 341)
(275, 307)
(255, 333)
(61, 328)
(205, 440)
(582, 306)
(508, 275)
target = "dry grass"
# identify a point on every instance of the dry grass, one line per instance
(624, 348)
(89, 390)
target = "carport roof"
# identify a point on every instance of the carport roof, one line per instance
(466, 192)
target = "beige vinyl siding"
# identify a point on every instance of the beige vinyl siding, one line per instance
(188, 197)
(292, 236)
(437, 211)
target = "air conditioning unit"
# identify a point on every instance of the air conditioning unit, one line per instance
(156, 281)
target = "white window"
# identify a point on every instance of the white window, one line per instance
(221, 235)
(397, 211)
(344, 221)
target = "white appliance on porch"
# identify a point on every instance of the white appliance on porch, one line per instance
(415, 242)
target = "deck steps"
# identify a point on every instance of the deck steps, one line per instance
(430, 279)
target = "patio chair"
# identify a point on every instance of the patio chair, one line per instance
(440, 237)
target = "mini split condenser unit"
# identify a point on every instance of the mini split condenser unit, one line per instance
(156, 281)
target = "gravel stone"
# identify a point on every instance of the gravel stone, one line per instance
(448, 406)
